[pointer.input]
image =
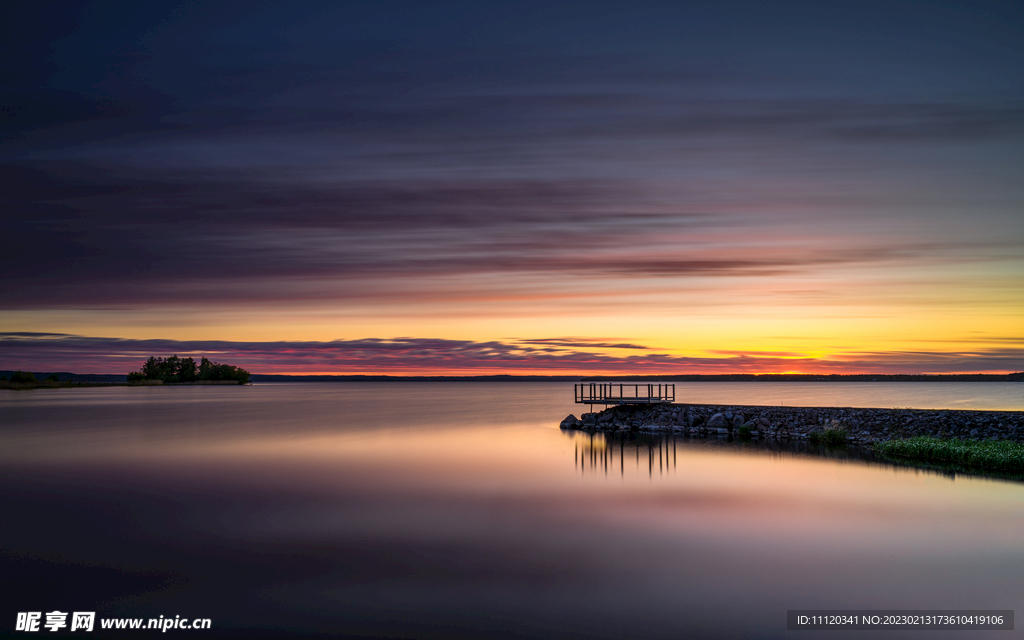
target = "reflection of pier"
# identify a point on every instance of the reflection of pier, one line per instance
(604, 453)
(615, 393)
(597, 453)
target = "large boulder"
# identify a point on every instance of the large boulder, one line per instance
(570, 421)
(717, 421)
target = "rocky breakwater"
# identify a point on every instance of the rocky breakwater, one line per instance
(856, 425)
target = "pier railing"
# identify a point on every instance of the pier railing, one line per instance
(610, 393)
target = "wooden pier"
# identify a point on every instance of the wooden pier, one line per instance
(616, 393)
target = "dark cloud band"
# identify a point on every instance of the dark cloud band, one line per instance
(412, 356)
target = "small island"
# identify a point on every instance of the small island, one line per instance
(175, 370)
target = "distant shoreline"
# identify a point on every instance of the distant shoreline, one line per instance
(733, 377)
(92, 379)
(76, 384)
(813, 377)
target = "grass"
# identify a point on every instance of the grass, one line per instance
(834, 435)
(990, 454)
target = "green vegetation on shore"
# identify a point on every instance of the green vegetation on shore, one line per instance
(833, 435)
(185, 370)
(988, 454)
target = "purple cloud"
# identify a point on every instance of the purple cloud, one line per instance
(419, 356)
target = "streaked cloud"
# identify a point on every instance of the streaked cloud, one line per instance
(657, 169)
(81, 240)
(415, 356)
(592, 343)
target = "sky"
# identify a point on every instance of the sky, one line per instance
(449, 188)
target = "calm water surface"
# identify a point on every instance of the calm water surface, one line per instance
(440, 510)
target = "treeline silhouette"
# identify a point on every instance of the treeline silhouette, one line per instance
(27, 377)
(175, 369)
(810, 377)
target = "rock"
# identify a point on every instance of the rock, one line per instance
(717, 421)
(865, 425)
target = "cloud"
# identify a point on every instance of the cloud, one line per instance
(591, 343)
(427, 356)
(225, 156)
(77, 237)
(757, 354)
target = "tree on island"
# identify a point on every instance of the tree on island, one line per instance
(175, 369)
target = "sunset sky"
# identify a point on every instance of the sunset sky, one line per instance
(415, 188)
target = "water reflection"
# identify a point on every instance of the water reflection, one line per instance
(425, 511)
(597, 453)
(622, 452)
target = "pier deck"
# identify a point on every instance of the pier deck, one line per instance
(616, 393)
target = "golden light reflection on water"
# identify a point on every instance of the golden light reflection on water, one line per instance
(789, 500)
(453, 493)
(670, 484)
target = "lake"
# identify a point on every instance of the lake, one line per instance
(459, 509)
